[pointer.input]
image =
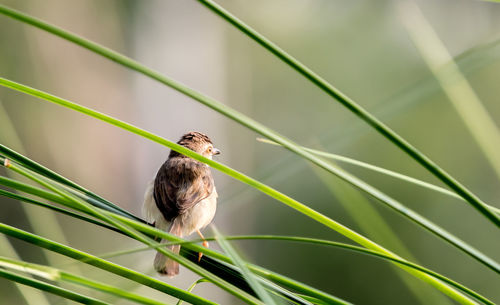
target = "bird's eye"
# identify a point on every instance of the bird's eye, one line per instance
(209, 149)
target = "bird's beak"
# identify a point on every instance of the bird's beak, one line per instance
(215, 151)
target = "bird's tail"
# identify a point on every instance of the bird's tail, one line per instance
(164, 265)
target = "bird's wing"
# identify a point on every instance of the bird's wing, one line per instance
(180, 184)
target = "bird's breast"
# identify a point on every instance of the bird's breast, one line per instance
(200, 215)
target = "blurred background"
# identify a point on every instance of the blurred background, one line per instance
(361, 47)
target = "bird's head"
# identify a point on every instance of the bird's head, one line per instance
(200, 143)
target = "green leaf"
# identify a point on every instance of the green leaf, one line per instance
(103, 264)
(57, 275)
(65, 293)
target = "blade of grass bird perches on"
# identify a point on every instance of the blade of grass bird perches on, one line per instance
(458, 90)
(320, 242)
(60, 276)
(381, 170)
(253, 125)
(134, 234)
(43, 286)
(279, 196)
(247, 274)
(359, 111)
(12, 154)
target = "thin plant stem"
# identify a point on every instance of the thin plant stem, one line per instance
(65, 293)
(57, 275)
(382, 170)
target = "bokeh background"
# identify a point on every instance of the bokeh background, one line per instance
(361, 47)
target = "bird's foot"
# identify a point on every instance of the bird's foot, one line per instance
(200, 254)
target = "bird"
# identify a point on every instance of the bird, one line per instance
(182, 198)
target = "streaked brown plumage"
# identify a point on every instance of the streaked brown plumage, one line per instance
(182, 198)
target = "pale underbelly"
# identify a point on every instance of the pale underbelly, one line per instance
(200, 215)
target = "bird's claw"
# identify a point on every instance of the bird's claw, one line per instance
(200, 254)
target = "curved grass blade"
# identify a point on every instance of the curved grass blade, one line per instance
(359, 111)
(57, 275)
(65, 293)
(190, 288)
(382, 171)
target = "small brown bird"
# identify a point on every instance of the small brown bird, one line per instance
(182, 198)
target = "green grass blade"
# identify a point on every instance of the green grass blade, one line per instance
(363, 114)
(65, 293)
(190, 288)
(57, 275)
(103, 264)
(57, 209)
(36, 167)
(382, 171)
(247, 274)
